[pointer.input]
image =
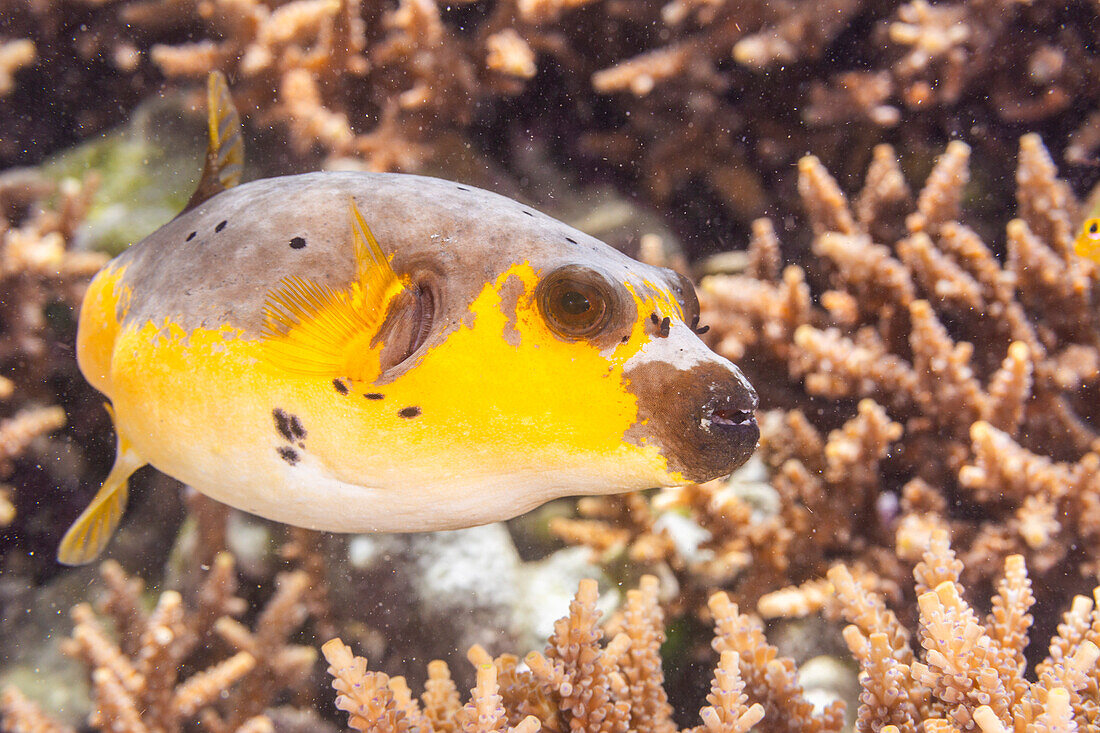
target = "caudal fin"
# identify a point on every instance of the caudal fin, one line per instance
(93, 528)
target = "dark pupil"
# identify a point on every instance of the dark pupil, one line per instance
(1094, 228)
(574, 303)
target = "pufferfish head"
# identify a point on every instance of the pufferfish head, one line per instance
(531, 334)
(694, 405)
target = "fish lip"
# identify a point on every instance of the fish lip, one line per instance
(732, 415)
(732, 406)
(726, 418)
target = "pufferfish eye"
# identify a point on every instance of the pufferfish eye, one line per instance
(575, 301)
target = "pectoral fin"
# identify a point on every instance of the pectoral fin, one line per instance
(224, 145)
(316, 330)
(92, 530)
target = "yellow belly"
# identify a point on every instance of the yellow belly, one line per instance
(201, 407)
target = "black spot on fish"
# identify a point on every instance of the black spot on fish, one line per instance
(288, 454)
(339, 386)
(374, 395)
(625, 339)
(297, 243)
(653, 317)
(665, 326)
(289, 426)
(409, 412)
(462, 188)
(191, 236)
(221, 225)
(282, 423)
(570, 240)
(525, 211)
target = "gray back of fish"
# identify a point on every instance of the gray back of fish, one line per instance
(217, 263)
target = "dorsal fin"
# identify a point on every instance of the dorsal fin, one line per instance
(224, 145)
(316, 330)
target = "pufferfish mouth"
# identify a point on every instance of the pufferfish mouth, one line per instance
(731, 414)
(729, 417)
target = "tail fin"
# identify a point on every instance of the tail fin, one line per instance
(224, 146)
(93, 528)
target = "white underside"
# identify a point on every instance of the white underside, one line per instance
(309, 497)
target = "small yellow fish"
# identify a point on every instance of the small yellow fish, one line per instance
(266, 349)
(1087, 243)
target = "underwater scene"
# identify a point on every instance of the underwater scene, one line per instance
(576, 366)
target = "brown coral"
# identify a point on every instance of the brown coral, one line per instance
(585, 685)
(970, 673)
(137, 677)
(701, 107)
(970, 356)
(42, 280)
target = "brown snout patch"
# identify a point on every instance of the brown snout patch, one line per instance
(702, 418)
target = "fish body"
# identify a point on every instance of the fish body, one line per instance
(387, 352)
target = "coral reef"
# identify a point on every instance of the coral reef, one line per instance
(699, 107)
(957, 673)
(931, 372)
(579, 685)
(969, 674)
(137, 676)
(966, 674)
(42, 280)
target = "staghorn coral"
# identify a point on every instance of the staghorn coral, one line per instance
(976, 359)
(959, 671)
(16, 434)
(42, 280)
(964, 673)
(922, 60)
(137, 677)
(20, 715)
(698, 107)
(37, 263)
(969, 673)
(580, 685)
(13, 56)
(351, 79)
(968, 354)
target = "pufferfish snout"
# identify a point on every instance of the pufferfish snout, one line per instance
(700, 405)
(380, 352)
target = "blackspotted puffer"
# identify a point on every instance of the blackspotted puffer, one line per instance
(386, 352)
